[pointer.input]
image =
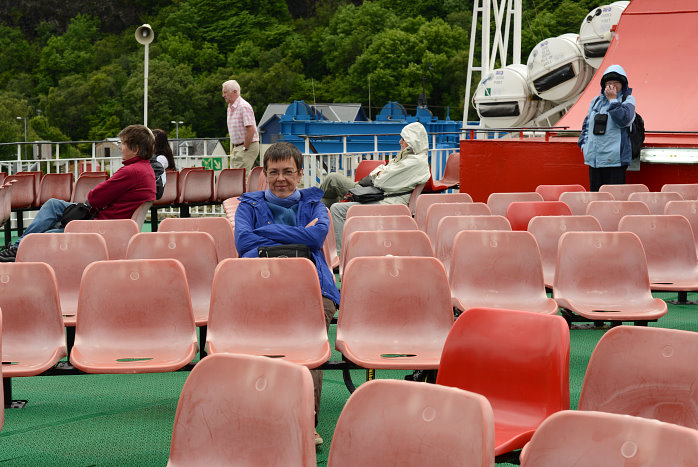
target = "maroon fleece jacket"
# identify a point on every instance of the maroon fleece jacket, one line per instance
(120, 195)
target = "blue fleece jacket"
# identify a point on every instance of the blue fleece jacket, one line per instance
(612, 149)
(255, 227)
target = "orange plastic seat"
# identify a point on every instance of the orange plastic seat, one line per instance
(68, 254)
(578, 201)
(424, 201)
(547, 231)
(256, 181)
(230, 183)
(669, 247)
(553, 192)
(365, 167)
(244, 410)
(530, 351)
(645, 372)
(86, 182)
(129, 322)
(218, 227)
(498, 269)
(197, 253)
(520, 213)
(569, 437)
(687, 209)
(449, 227)
(602, 276)
(390, 422)
(499, 202)
(609, 213)
(438, 211)
(655, 200)
(386, 243)
(251, 312)
(55, 185)
(196, 187)
(451, 176)
(689, 191)
(378, 210)
(116, 233)
(395, 312)
(622, 192)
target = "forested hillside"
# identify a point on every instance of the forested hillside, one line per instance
(75, 70)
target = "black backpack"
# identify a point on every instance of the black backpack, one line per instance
(636, 131)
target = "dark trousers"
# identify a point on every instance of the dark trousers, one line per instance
(606, 176)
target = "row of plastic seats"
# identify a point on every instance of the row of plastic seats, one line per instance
(32, 189)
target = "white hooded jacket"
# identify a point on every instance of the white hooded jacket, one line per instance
(410, 167)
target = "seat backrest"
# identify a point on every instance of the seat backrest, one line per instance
(578, 201)
(116, 233)
(329, 246)
(646, 372)
(230, 183)
(486, 343)
(365, 167)
(219, 227)
(38, 174)
(499, 202)
(655, 200)
(378, 210)
(32, 324)
(5, 198)
(608, 439)
(68, 254)
(425, 200)
(180, 180)
(355, 224)
(55, 185)
(520, 213)
(669, 246)
(689, 191)
(256, 179)
(197, 186)
(272, 396)
(553, 192)
(416, 191)
(23, 191)
(609, 213)
(447, 426)
(169, 195)
(140, 213)
(451, 176)
(86, 182)
(547, 231)
(687, 209)
(622, 192)
(438, 211)
(449, 227)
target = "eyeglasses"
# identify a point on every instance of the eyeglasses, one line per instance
(276, 173)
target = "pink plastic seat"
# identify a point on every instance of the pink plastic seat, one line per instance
(329, 247)
(197, 253)
(251, 312)
(655, 200)
(5, 198)
(451, 176)
(609, 213)
(602, 276)
(553, 192)
(578, 201)
(622, 192)
(256, 181)
(498, 269)
(389, 422)
(499, 202)
(230, 183)
(547, 231)
(38, 175)
(68, 254)
(518, 360)
(116, 233)
(425, 200)
(196, 187)
(169, 195)
(220, 229)
(129, 322)
(520, 213)
(55, 185)
(566, 438)
(449, 227)
(86, 182)
(687, 209)
(645, 372)
(23, 191)
(244, 410)
(365, 167)
(689, 191)
(378, 210)
(438, 211)
(395, 312)
(416, 192)
(141, 213)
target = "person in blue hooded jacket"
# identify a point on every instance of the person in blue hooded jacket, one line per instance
(284, 215)
(604, 139)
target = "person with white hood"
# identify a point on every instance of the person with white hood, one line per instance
(401, 175)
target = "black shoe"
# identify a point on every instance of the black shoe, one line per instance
(8, 254)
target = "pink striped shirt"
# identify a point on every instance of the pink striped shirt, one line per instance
(240, 115)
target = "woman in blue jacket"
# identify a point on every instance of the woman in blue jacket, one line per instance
(284, 215)
(604, 138)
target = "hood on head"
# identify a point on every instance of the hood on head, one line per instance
(415, 135)
(615, 72)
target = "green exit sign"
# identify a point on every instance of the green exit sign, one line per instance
(212, 163)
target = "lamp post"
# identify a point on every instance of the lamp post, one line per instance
(176, 124)
(145, 35)
(25, 134)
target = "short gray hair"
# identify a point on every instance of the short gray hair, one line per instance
(231, 85)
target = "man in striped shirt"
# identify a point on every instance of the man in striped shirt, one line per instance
(244, 139)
